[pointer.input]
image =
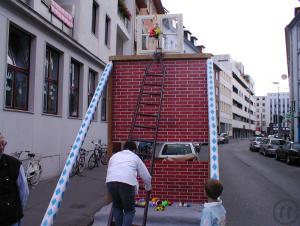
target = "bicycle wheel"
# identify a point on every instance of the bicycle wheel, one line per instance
(36, 175)
(81, 164)
(92, 161)
(104, 159)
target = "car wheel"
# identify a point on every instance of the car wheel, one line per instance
(277, 157)
(288, 160)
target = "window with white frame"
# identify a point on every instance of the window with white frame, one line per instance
(170, 38)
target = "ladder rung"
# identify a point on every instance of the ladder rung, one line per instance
(152, 84)
(147, 103)
(147, 115)
(151, 94)
(142, 140)
(144, 126)
(155, 75)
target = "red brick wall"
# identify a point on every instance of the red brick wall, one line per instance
(178, 181)
(184, 115)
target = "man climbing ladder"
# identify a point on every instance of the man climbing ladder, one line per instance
(122, 183)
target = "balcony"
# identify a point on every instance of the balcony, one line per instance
(60, 16)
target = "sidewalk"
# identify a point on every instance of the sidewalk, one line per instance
(85, 196)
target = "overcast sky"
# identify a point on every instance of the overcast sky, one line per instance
(251, 31)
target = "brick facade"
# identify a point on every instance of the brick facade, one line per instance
(178, 181)
(184, 117)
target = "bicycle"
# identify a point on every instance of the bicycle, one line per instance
(99, 155)
(78, 166)
(33, 170)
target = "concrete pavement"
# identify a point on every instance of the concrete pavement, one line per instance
(172, 216)
(85, 195)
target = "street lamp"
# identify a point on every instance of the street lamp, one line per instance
(278, 118)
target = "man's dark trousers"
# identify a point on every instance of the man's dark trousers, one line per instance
(123, 196)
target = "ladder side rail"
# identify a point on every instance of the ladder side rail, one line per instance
(139, 100)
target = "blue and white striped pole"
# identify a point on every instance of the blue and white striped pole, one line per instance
(213, 142)
(63, 181)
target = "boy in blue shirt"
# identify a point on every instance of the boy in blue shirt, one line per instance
(213, 213)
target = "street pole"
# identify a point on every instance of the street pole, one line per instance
(278, 117)
(278, 124)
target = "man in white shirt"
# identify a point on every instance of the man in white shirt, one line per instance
(123, 169)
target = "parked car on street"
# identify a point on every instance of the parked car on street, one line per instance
(223, 138)
(179, 150)
(290, 153)
(269, 146)
(255, 143)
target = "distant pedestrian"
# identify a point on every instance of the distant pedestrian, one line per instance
(13, 188)
(122, 183)
(213, 213)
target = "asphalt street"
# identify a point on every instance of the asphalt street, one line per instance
(258, 190)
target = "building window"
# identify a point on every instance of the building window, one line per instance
(107, 31)
(51, 81)
(91, 85)
(103, 104)
(74, 89)
(263, 104)
(94, 17)
(257, 104)
(17, 77)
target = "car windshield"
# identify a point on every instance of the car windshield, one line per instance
(278, 142)
(296, 146)
(259, 139)
(176, 149)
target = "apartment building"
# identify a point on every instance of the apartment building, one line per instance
(223, 92)
(278, 104)
(236, 101)
(53, 53)
(261, 119)
(292, 35)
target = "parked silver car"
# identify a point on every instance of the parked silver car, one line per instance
(255, 143)
(269, 146)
